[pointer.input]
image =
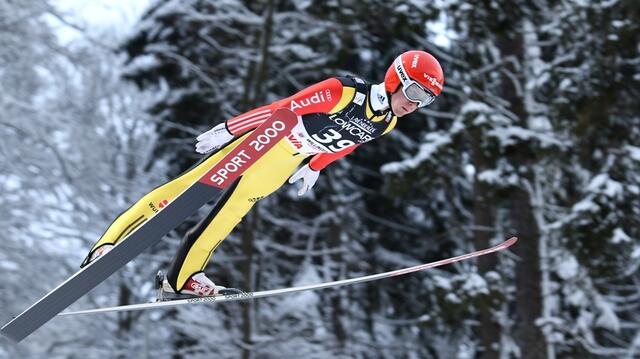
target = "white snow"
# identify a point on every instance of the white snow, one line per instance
(620, 236)
(8, 265)
(493, 276)
(302, 4)
(577, 298)
(634, 152)
(416, 214)
(539, 123)
(441, 34)
(584, 320)
(475, 106)
(603, 184)
(426, 151)
(618, 23)
(568, 267)
(453, 298)
(586, 205)
(497, 176)
(470, 170)
(565, 84)
(299, 303)
(512, 135)
(508, 347)
(607, 318)
(475, 285)
(141, 63)
(97, 16)
(442, 282)
(10, 182)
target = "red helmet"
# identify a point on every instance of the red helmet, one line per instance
(415, 66)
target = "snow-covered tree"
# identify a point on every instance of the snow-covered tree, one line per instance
(77, 150)
(536, 135)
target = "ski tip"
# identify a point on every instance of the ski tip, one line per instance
(511, 241)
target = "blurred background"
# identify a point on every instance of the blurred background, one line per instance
(537, 134)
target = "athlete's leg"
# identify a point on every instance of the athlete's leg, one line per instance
(151, 203)
(260, 180)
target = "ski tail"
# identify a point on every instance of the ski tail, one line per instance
(205, 189)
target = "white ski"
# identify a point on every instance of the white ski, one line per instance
(268, 293)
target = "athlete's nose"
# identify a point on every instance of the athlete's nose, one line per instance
(411, 106)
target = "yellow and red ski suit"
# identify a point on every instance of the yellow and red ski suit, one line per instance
(334, 117)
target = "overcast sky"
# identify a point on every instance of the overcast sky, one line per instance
(97, 16)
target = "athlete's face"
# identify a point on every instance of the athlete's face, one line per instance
(400, 105)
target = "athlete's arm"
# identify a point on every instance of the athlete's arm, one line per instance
(320, 97)
(322, 160)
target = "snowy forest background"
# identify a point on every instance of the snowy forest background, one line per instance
(537, 134)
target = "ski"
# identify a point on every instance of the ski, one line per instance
(268, 293)
(207, 188)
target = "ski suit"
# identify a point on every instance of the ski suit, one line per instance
(334, 117)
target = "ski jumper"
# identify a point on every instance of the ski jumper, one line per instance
(334, 117)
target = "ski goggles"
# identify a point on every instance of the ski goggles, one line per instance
(411, 89)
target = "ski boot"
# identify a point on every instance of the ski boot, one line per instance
(197, 286)
(99, 252)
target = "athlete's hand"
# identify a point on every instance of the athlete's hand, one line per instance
(310, 177)
(213, 139)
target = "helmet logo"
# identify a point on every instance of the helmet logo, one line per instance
(414, 63)
(403, 75)
(433, 81)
